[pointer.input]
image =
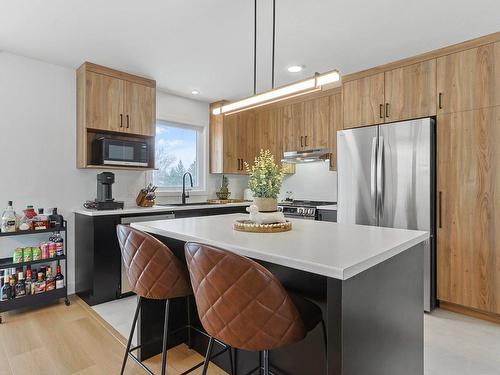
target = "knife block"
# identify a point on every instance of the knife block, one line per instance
(142, 201)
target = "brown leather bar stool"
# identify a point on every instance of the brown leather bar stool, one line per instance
(244, 305)
(154, 272)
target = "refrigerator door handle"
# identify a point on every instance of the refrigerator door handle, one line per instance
(380, 176)
(373, 174)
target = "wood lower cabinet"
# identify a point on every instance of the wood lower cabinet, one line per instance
(469, 79)
(410, 91)
(468, 209)
(364, 101)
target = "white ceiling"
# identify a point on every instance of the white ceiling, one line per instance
(207, 45)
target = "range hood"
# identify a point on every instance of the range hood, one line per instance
(306, 156)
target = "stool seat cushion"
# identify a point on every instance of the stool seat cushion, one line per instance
(153, 271)
(310, 312)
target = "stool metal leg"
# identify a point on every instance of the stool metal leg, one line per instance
(207, 357)
(165, 338)
(129, 343)
(231, 365)
(188, 305)
(265, 357)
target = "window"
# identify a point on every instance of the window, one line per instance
(178, 149)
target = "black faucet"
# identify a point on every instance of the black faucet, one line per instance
(184, 194)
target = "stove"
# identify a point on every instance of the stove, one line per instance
(301, 209)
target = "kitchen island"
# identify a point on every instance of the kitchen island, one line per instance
(367, 280)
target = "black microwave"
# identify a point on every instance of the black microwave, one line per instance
(109, 151)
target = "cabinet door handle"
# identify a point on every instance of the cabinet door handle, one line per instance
(305, 140)
(440, 219)
(440, 100)
(301, 141)
(128, 122)
(238, 165)
(381, 111)
(121, 120)
(386, 109)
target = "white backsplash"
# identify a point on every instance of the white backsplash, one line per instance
(312, 181)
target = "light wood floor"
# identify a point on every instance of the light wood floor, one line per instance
(74, 340)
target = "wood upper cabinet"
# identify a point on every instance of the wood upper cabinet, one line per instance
(335, 124)
(410, 91)
(315, 125)
(246, 148)
(231, 161)
(114, 101)
(469, 79)
(239, 141)
(268, 132)
(103, 102)
(468, 208)
(139, 109)
(364, 101)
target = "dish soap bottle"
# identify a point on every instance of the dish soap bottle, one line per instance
(9, 219)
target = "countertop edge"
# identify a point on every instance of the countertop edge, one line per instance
(156, 209)
(316, 268)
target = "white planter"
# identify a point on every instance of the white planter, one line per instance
(266, 204)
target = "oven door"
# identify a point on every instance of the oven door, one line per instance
(119, 152)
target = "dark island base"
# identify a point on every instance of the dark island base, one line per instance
(374, 322)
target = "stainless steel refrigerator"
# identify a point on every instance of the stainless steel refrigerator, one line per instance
(386, 177)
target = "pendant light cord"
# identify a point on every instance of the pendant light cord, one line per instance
(274, 42)
(255, 48)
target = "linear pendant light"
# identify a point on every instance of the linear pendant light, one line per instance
(276, 94)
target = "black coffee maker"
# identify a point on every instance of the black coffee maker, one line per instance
(105, 200)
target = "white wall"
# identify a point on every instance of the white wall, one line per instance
(37, 147)
(312, 181)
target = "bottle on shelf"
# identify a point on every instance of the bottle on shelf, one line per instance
(28, 282)
(50, 281)
(12, 288)
(40, 221)
(40, 284)
(26, 222)
(58, 241)
(5, 290)
(8, 222)
(20, 286)
(55, 220)
(59, 277)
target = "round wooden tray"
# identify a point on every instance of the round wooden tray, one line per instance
(251, 226)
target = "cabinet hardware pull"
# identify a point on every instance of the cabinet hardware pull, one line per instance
(238, 164)
(128, 122)
(381, 111)
(121, 120)
(386, 109)
(440, 100)
(305, 141)
(301, 141)
(440, 196)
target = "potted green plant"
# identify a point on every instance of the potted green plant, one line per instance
(265, 181)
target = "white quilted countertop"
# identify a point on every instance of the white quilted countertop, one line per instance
(335, 250)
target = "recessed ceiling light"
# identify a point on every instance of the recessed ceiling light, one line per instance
(295, 68)
(195, 92)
